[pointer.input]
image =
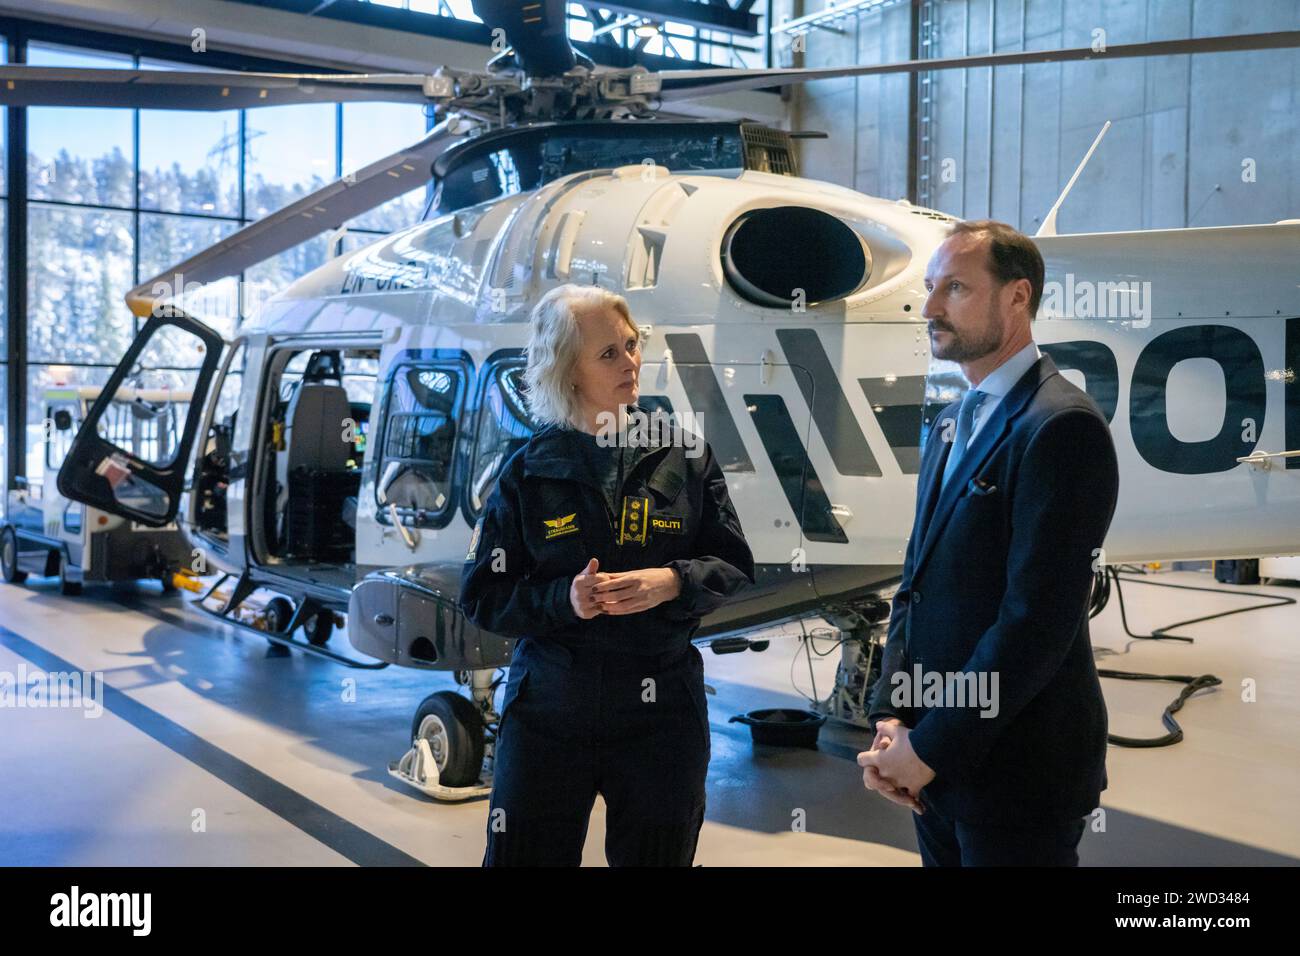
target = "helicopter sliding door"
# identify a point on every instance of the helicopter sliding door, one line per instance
(408, 513)
(130, 454)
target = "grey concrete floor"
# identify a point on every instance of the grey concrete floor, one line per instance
(209, 752)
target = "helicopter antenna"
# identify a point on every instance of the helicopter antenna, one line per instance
(1048, 228)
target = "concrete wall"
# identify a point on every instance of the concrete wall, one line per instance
(1182, 125)
(867, 118)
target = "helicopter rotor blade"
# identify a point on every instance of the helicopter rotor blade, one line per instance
(687, 84)
(194, 90)
(326, 208)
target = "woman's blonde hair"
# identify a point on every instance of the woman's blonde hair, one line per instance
(553, 349)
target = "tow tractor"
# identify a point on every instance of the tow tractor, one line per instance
(46, 534)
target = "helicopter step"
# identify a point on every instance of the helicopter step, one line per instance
(278, 617)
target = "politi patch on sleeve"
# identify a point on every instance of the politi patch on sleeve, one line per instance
(667, 524)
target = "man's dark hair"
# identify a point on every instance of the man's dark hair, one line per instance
(1012, 255)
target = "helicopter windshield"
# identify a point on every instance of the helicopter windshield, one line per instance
(513, 161)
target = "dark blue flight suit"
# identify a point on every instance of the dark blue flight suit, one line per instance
(613, 705)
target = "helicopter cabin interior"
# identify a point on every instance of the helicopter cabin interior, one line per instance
(312, 447)
(332, 418)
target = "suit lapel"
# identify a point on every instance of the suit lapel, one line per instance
(978, 451)
(932, 466)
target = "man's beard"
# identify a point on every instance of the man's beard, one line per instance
(966, 347)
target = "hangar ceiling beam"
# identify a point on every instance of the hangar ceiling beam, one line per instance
(706, 16)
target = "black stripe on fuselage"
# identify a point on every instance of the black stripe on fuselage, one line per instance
(707, 401)
(785, 449)
(899, 403)
(834, 417)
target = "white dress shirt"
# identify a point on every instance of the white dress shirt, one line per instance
(1000, 381)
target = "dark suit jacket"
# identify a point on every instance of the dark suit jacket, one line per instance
(997, 579)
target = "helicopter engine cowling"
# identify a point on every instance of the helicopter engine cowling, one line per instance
(783, 255)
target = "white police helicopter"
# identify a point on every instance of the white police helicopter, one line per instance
(348, 436)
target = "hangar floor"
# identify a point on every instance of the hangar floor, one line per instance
(284, 770)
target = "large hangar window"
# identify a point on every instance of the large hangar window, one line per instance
(116, 196)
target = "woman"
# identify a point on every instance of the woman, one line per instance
(601, 556)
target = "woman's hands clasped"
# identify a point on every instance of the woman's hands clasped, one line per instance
(622, 592)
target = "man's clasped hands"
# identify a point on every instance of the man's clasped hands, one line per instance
(892, 768)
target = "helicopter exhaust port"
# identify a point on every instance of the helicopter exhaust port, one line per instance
(769, 254)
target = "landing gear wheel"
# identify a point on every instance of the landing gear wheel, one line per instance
(66, 585)
(318, 628)
(454, 728)
(277, 614)
(9, 557)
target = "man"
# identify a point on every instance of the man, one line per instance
(1017, 487)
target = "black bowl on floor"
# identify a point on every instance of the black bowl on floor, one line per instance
(782, 726)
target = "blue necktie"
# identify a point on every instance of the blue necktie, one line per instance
(965, 418)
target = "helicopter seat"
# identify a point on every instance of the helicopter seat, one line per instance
(317, 473)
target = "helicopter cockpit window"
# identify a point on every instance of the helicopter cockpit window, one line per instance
(418, 446)
(531, 158)
(503, 172)
(504, 427)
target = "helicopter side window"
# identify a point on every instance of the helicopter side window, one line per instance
(147, 425)
(417, 450)
(504, 426)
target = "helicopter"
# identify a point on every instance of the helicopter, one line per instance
(339, 449)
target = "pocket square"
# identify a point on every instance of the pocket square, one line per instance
(978, 486)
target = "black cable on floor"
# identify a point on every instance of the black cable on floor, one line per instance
(1101, 597)
(1175, 732)
(1161, 633)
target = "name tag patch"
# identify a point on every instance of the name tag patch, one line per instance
(557, 527)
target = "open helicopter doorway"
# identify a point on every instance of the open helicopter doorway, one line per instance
(311, 448)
